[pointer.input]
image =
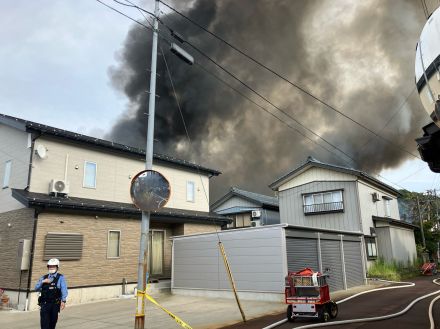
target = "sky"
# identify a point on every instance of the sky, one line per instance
(79, 66)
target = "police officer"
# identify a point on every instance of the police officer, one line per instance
(53, 289)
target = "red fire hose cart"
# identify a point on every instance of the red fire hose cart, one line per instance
(307, 295)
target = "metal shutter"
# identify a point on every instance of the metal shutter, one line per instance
(302, 253)
(64, 246)
(353, 263)
(331, 259)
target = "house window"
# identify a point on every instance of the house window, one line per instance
(323, 202)
(156, 251)
(386, 203)
(7, 175)
(370, 243)
(190, 191)
(64, 246)
(114, 244)
(89, 174)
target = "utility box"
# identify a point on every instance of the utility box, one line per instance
(24, 254)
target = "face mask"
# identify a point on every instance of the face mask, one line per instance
(52, 270)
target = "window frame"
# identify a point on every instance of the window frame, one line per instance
(387, 207)
(322, 193)
(7, 174)
(84, 176)
(150, 240)
(188, 183)
(119, 244)
(370, 240)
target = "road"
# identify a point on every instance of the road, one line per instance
(370, 305)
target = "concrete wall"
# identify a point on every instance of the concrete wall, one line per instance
(368, 208)
(114, 174)
(316, 174)
(292, 210)
(13, 146)
(256, 257)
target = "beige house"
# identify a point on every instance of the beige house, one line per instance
(66, 195)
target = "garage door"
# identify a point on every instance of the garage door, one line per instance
(353, 263)
(302, 253)
(331, 260)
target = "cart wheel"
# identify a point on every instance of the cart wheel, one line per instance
(332, 308)
(290, 316)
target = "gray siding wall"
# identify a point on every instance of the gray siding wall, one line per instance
(383, 241)
(292, 212)
(233, 203)
(255, 257)
(270, 217)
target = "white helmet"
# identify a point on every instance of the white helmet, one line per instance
(53, 262)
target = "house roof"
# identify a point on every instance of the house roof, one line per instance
(45, 201)
(34, 127)
(312, 162)
(394, 222)
(260, 199)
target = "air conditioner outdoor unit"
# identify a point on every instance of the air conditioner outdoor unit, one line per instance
(256, 213)
(58, 187)
(375, 197)
(255, 223)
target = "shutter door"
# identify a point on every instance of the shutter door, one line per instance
(302, 253)
(331, 259)
(353, 263)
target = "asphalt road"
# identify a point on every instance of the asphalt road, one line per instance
(370, 305)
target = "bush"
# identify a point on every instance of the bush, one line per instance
(394, 271)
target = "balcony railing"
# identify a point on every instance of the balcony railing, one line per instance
(324, 207)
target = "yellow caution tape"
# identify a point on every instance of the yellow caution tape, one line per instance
(173, 316)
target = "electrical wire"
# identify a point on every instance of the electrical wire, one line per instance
(302, 89)
(251, 89)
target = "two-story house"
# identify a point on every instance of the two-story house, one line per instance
(326, 196)
(335, 220)
(247, 209)
(66, 195)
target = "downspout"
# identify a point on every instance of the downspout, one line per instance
(34, 233)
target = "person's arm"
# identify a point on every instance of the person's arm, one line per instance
(40, 283)
(64, 292)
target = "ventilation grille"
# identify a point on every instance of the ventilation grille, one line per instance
(64, 246)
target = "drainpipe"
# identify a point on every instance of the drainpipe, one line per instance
(34, 233)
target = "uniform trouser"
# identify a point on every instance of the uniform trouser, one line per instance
(49, 315)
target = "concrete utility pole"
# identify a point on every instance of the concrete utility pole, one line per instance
(145, 225)
(421, 223)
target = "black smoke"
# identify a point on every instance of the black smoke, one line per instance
(357, 57)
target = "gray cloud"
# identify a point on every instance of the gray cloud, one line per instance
(358, 58)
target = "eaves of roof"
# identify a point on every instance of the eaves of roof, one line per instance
(41, 129)
(259, 199)
(311, 162)
(394, 222)
(73, 204)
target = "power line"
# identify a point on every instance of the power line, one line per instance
(254, 91)
(302, 89)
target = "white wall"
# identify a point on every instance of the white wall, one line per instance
(368, 208)
(114, 174)
(13, 146)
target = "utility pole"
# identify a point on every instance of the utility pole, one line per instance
(421, 223)
(145, 225)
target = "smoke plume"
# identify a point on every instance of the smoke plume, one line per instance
(357, 56)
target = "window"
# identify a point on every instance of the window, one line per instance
(323, 202)
(7, 176)
(386, 203)
(190, 191)
(89, 174)
(156, 251)
(370, 243)
(114, 246)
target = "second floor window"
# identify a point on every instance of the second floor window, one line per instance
(190, 191)
(323, 202)
(89, 174)
(7, 176)
(386, 203)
